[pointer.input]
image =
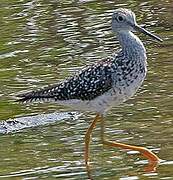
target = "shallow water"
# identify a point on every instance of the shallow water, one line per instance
(43, 42)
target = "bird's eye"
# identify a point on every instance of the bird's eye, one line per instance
(120, 18)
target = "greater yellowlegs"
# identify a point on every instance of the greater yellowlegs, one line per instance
(106, 83)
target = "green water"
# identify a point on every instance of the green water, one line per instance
(42, 42)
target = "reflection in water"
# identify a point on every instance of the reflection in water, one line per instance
(43, 42)
(150, 168)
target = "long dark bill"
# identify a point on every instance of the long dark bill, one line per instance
(144, 31)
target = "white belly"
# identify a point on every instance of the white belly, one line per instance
(113, 97)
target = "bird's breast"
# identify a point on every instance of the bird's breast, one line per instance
(126, 87)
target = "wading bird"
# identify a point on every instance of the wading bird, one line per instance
(106, 83)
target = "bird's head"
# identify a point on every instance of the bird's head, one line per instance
(125, 20)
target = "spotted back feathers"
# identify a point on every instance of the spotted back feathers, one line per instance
(91, 82)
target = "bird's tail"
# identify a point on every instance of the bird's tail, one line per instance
(33, 96)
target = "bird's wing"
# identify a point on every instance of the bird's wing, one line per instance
(91, 82)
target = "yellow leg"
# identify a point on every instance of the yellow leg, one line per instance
(88, 137)
(144, 151)
(152, 158)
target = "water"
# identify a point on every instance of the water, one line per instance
(43, 42)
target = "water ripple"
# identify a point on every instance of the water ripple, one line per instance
(17, 124)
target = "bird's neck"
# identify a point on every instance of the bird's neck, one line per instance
(131, 45)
